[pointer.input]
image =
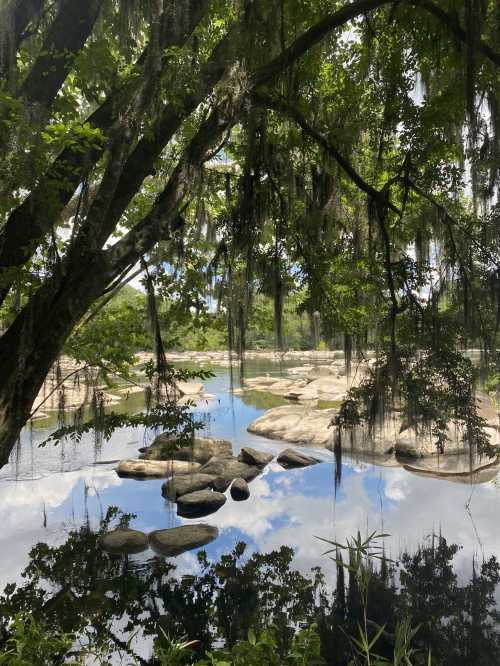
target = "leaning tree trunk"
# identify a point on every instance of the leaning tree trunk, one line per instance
(30, 347)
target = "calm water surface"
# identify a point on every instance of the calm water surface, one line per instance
(44, 493)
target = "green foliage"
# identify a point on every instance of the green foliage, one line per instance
(253, 609)
(263, 649)
(32, 644)
(432, 387)
(110, 338)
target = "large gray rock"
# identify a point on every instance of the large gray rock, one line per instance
(255, 457)
(240, 490)
(296, 424)
(290, 458)
(200, 503)
(177, 540)
(227, 469)
(190, 388)
(165, 447)
(124, 541)
(318, 371)
(155, 468)
(187, 483)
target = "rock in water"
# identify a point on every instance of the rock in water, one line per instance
(290, 458)
(155, 468)
(124, 541)
(296, 424)
(187, 483)
(201, 449)
(240, 490)
(190, 388)
(177, 540)
(200, 503)
(254, 457)
(227, 469)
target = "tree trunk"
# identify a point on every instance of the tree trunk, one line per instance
(15, 17)
(33, 343)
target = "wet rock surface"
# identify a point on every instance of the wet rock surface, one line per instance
(200, 503)
(200, 450)
(455, 467)
(124, 541)
(188, 483)
(289, 458)
(240, 490)
(227, 469)
(252, 456)
(177, 540)
(155, 468)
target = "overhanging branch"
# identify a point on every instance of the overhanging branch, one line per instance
(283, 107)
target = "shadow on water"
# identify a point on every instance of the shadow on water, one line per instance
(76, 587)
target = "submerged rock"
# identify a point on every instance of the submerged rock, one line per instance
(187, 483)
(124, 541)
(240, 490)
(200, 450)
(200, 503)
(290, 458)
(227, 469)
(254, 457)
(155, 468)
(177, 540)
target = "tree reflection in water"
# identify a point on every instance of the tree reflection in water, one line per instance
(78, 588)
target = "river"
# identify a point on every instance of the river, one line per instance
(46, 492)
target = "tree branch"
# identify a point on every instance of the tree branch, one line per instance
(14, 19)
(312, 37)
(283, 107)
(158, 223)
(67, 35)
(40, 211)
(452, 23)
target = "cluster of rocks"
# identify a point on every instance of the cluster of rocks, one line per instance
(223, 358)
(169, 542)
(198, 475)
(308, 383)
(391, 444)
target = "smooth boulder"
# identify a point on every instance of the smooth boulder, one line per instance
(200, 503)
(201, 449)
(240, 490)
(124, 541)
(177, 540)
(187, 483)
(296, 424)
(290, 458)
(155, 468)
(254, 457)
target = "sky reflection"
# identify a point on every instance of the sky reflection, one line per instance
(44, 493)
